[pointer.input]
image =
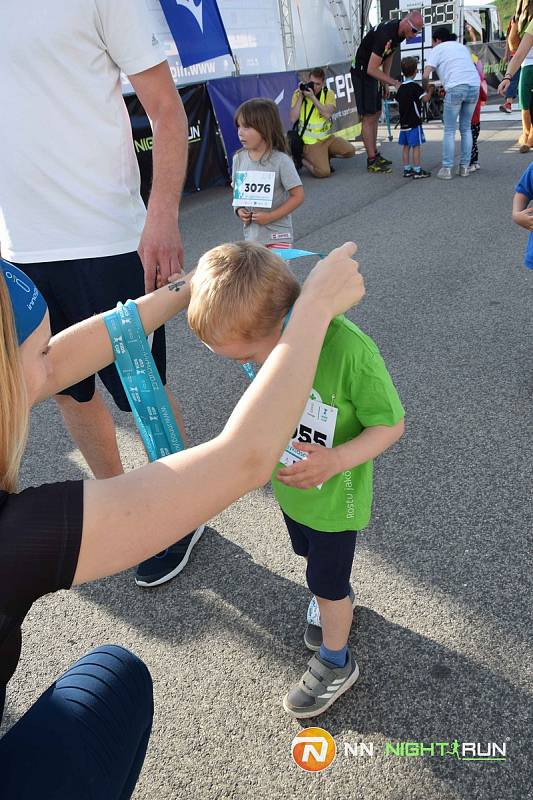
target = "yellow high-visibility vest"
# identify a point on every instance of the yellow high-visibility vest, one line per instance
(318, 128)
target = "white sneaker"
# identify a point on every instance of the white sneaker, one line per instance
(463, 170)
(445, 173)
(475, 166)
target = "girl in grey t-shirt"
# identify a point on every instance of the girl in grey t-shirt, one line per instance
(267, 187)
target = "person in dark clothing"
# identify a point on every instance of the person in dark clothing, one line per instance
(86, 736)
(410, 97)
(371, 71)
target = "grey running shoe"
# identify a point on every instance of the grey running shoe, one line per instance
(319, 687)
(463, 170)
(313, 629)
(445, 173)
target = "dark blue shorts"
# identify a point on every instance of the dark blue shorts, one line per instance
(329, 558)
(81, 288)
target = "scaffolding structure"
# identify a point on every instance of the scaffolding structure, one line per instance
(287, 34)
(349, 20)
(345, 25)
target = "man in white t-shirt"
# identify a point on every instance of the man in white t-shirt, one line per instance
(71, 213)
(461, 81)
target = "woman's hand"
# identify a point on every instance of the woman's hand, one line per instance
(504, 85)
(335, 281)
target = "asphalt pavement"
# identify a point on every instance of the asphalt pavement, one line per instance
(442, 624)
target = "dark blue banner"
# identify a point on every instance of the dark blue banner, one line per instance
(228, 93)
(197, 29)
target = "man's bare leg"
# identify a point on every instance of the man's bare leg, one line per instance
(92, 429)
(369, 130)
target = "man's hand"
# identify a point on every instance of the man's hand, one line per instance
(524, 218)
(308, 93)
(260, 216)
(174, 278)
(244, 215)
(335, 281)
(160, 250)
(320, 465)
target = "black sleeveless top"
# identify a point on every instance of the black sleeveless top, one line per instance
(40, 539)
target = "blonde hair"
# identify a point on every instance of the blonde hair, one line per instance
(239, 291)
(263, 116)
(14, 413)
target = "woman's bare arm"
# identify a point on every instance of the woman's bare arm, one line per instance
(85, 348)
(128, 518)
(515, 63)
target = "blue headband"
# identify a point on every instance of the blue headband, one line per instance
(28, 304)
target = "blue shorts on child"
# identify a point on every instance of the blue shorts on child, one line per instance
(329, 558)
(413, 137)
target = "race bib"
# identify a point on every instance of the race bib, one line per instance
(317, 426)
(254, 189)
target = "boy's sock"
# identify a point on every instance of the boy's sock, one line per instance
(337, 658)
(407, 168)
(417, 169)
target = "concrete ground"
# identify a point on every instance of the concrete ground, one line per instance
(441, 629)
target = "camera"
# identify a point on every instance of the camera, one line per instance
(306, 87)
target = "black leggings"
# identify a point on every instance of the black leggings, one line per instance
(475, 134)
(86, 736)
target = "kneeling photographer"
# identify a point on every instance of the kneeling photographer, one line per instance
(312, 107)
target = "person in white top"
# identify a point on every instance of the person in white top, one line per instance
(523, 58)
(71, 213)
(461, 81)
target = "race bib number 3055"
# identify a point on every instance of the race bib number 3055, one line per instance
(254, 189)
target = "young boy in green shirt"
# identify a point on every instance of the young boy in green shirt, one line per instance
(240, 296)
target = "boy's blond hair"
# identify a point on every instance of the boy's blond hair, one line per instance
(239, 291)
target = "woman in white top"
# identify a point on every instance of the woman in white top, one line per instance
(523, 58)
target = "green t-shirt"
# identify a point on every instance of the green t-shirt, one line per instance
(351, 376)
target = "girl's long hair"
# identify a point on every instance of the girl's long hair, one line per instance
(14, 414)
(263, 116)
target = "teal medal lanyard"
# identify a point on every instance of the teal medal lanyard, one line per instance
(139, 376)
(137, 371)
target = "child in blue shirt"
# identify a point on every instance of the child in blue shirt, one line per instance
(523, 215)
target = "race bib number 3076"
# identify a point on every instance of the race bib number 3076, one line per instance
(253, 189)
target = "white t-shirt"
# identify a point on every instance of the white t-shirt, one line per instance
(69, 179)
(454, 64)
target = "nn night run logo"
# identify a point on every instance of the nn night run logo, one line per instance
(461, 751)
